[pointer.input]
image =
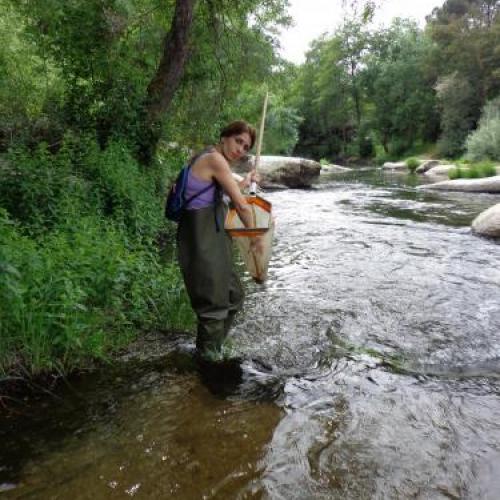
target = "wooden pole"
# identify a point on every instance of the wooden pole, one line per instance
(253, 187)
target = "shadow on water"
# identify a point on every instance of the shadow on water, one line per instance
(171, 427)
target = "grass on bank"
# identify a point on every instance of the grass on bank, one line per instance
(81, 270)
(466, 170)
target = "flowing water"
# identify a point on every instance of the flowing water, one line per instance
(373, 371)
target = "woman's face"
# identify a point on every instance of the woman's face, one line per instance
(236, 146)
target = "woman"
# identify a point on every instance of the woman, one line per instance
(204, 248)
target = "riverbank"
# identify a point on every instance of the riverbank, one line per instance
(20, 390)
(85, 257)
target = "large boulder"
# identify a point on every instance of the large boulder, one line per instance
(399, 165)
(439, 172)
(484, 185)
(427, 165)
(283, 171)
(487, 223)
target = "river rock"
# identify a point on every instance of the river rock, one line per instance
(333, 169)
(487, 223)
(484, 185)
(398, 165)
(440, 170)
(427, 165)
(283, 171)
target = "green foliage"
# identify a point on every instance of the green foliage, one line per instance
(282, 120)
(403, 102)
(29, 83)
(81, 270)
(365, 146)
(43, 190)
(361, 87)
(465, 36)
(97, 82)
(456, 173)
(487, 169)
(381, 156)
(473, 171)
(484, 143)
(458, 102)
(412, 163)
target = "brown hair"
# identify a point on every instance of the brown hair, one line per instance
(239, 127)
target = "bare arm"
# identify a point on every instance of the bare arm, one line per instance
(222, 173)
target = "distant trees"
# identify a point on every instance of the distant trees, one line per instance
(484, 143)
(466, 34)
(371, 88)
(400, 87)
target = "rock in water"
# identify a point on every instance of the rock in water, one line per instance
(284, 171)
(487, 223)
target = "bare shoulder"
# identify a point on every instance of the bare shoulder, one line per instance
(215, 161)
(209, 165)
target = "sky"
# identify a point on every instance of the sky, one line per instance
(314, 17)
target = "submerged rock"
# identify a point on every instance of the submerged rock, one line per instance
(487, 223)
(484, 185)
(284, 171)
(334, 169)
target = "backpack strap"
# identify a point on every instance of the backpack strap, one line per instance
(199, 193)
(218, 188)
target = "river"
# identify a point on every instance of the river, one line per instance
(372, 372)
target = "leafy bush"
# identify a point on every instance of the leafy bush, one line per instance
(474, 171)
(484, 143)
(412, 164)
(456, 173)
(487, 169)
(80, 269)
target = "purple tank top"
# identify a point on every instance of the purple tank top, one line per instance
(195, 185)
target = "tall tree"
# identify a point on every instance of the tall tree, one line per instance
(399, 88)
(147, 67)
(166, 80)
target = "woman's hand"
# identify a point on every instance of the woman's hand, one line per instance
(252, 176)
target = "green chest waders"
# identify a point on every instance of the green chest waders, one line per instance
(214, 288)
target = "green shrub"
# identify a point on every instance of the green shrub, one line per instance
(456, 173)
(487, 169)
(77, 294)
(473, 171)
(412, 163)
(80, 270)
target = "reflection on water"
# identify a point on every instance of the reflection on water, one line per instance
(373, 371)
(160, 435)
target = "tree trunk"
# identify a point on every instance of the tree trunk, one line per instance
(167, 78)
